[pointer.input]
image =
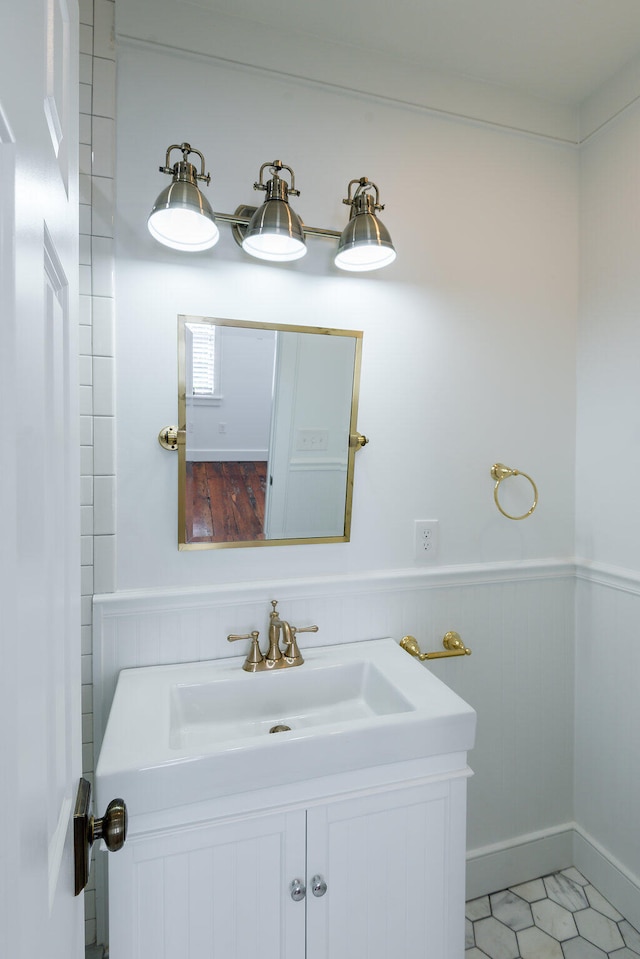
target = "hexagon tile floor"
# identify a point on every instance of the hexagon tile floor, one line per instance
(558, 917)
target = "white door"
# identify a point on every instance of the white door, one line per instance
(40, 751)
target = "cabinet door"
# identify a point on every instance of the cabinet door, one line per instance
(219, 891)
(393, 864)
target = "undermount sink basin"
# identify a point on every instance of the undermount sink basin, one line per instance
(198, 731)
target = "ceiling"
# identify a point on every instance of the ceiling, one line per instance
(558, 50)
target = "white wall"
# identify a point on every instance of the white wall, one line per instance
(469, 338)
(246, 384)
(607, 786)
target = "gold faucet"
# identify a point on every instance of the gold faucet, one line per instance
(275, 658)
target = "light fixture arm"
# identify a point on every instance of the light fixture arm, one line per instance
(185, 167)
(276, 188)
(361, 200)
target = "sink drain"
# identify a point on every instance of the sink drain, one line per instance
(280, 728)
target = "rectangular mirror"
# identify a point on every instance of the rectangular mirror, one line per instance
(268, 433)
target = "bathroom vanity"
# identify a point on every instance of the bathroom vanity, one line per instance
(340, 837)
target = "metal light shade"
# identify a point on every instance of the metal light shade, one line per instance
(365, 243)
(275, 231)
(182, 218)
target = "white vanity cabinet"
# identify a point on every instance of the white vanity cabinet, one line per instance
(392, 860)
(366, 790)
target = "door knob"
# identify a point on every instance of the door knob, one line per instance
(112, 828)
(318, 886)
(297, 890)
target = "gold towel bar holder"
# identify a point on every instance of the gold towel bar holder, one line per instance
(453, 646)
(500, 472)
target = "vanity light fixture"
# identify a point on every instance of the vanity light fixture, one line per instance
(182, 219)
(275, 231)
(365, 243)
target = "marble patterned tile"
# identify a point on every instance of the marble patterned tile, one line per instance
(531, 891)
(579, 948)
(496, 939)
(511, 910)
(536, 944)
(478, 908)
(561, 916)
(630, 935)
(554, 919)
(573, 874)
(597, 901)
(599, 930)
(565, 892)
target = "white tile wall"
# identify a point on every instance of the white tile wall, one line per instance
(96, 339)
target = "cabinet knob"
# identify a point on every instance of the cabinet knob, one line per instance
(318, 886)
(297, 889)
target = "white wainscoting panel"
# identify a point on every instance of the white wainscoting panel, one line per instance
(517, 619)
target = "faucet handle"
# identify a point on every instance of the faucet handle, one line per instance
(255, 657)
(292, 652)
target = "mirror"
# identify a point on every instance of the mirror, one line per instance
(267, 434)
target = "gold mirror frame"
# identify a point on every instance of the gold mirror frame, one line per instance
(355, 440)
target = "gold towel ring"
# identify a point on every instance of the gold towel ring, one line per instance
(500, 472)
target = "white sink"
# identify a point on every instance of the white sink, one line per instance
(215, 711)
(196, 731)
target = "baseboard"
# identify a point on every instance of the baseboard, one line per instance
(492, 868)
(610, 877)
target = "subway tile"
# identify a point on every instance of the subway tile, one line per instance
(86, 580)
(102, 207)
(84, 278)
(86, 645)
(86, 397)
(103, 141)
(85, 310)
(86, 98)
(85, 250)
(86, 669)
(103, 29)
(84, 155)
(104, 460)
(85, 218)
(103, 386)
(103, 326)
(104, 505)
(87, 756)
(86, 68)
(85, 128)
(89, 905)
(104, 557)
(87, 728)
(86, 40)
(102, 265)
(104, 88)
(84, 341)
(86, 11)
(87, 693)
(90, 931)
(86, 461)
(86, 521)
(86, 550)
(84, 183)
(86, 430)
(86, 490)
(86, 612)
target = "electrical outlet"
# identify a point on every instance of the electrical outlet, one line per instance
(426, 540)
(315, 440)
